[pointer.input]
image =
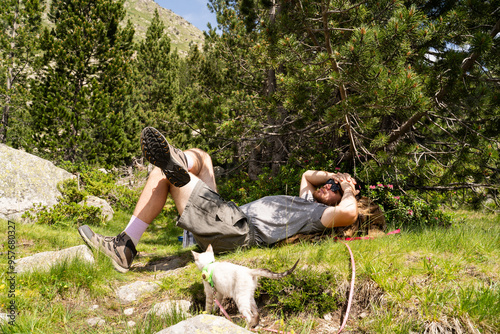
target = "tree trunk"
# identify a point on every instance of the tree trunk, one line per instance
(277, 144)
(275, 150)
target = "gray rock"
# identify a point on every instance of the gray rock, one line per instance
(95, 322)
(46, 260)
(132, 292)
(106, 209)
(128, 311)
(219, 171)
(26, 179)
(205, 324)
(171, 306)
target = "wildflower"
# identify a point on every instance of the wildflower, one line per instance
(390, 186)
(396, 198)
(373, 187)
(410, 212)
(380, 185)
(337, 168)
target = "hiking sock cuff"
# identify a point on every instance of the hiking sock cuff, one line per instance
(190, 162)
(135, 229)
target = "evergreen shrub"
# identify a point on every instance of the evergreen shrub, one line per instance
(304, 291)
(90, 182)
(406, 210)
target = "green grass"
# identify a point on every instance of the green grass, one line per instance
(428, 279)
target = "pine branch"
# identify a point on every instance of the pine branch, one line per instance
(465, 67)
(398, 133)
(469, 61)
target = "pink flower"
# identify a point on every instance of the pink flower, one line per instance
(337, 168)
(396, 198)
(410, 212)
(380, 185)
(390, 186)
(373, 187)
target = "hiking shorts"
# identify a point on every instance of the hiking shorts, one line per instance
(212, 220)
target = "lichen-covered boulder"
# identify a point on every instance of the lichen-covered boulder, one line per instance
(46, 260)
(205, 323)
(26, 179)
(106, 209)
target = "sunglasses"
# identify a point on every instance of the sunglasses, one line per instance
(334, 185)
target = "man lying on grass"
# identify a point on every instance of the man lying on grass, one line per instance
(189, 178)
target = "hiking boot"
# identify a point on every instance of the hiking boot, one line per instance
(169, 159)
(119, 249)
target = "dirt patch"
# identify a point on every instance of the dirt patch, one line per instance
(413, 257)
(472, 271)
(161, 264)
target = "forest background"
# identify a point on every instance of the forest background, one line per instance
(401, 94)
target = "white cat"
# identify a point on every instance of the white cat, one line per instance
(231, 280)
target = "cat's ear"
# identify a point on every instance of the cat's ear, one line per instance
(210, 249)
(195, 255)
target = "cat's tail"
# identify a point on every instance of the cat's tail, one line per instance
(273, 275)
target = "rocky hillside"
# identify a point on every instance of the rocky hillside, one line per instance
(140, 13)
(180, 31)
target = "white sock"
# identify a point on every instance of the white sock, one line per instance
(135, 229)
(189, 161)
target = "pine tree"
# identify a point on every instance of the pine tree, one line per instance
(81, 109)
(355, 86)
(232, 97)
(156, 79)
(462, 70)
(20, 23)
(305, 75)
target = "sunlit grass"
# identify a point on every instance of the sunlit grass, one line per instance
(417, 280)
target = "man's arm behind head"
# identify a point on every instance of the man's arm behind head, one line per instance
(346, 212)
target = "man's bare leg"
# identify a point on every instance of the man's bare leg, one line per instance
(155, 193)
(153, 197)
(148, 207)
(202, 166)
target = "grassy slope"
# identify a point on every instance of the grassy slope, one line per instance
(435, 279)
